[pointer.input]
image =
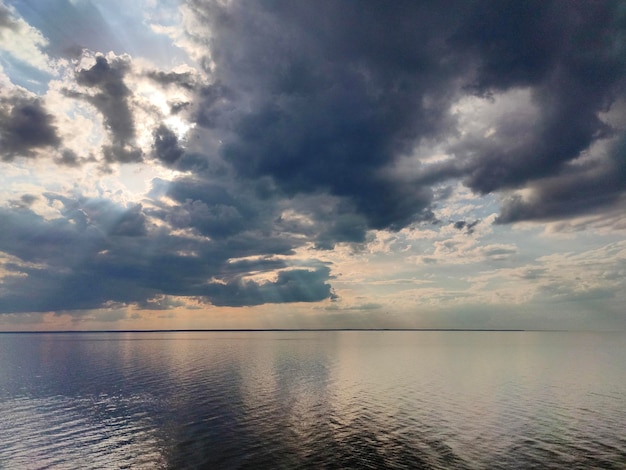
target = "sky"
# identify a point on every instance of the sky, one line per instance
(190, 164)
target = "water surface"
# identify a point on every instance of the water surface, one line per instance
(339, 399)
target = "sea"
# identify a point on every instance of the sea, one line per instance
(313, 400)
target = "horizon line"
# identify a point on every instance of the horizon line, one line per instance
(260, 330)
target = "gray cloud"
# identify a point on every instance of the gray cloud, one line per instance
(24, 202)
(184, 79)
(347, 227)
(303, 111)
(112, 100)
(69, 158)
(25, 126)
(332, 97)
(98, 253)
(166, 146)
(581, 189)
(7, 20)
(571, 57)
(210, 208)
(298, 285)
(325, 97)
(218, 206)
(467, 226)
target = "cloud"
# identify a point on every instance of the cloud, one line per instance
(68, 158)
(584, 277)
(182, 79)
(73, 27)
(210, 208)
(111, 98)
(580, 190)
(98, 253)
(7, 21)
(323, 112)
(115, 26)
(291, 286)
(25, 127)
(572, 81)
(329, 100)
(298, 133)
(24, 202)
(22, 42)
(361, 307)
(464, 225)
(166, 146)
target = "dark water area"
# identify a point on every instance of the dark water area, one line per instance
(340, 399)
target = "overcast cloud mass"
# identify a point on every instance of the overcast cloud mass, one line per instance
(281, 164)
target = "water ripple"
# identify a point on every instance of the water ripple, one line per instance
(430, 400)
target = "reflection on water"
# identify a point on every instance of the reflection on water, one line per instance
(313, 400)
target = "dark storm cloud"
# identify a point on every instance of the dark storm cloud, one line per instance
(183, 79)
(210, 208)
(326, 96)
(215, 220)
(298, 285)
(111, 99)
(103, 214)
(572, 56)
(303, 113)
(334, 92)
(27, 236)
(165, 145)
(99, 253)
(220, 208)
(25, 126)
(350, 228)
(580, 190)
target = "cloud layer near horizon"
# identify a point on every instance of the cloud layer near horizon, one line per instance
(291, 128)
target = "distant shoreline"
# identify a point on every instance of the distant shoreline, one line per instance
(262, 330)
